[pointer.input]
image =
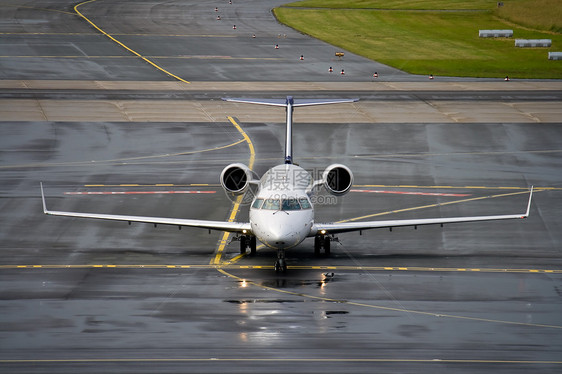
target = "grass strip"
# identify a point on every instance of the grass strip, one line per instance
(430, 37)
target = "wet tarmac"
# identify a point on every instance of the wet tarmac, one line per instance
(89, 296)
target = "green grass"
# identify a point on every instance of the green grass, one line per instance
(537, 14)
(436, 42)
(396, 4)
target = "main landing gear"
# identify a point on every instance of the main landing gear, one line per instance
(247, 242)
(323, 242)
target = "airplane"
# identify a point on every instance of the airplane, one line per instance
(281, 213)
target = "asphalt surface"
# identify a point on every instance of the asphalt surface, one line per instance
(89, 296)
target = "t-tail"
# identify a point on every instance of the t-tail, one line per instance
(289, 103)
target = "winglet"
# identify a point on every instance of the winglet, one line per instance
(43, 198)
(529, 204)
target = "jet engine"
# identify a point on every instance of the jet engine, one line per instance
(337, 179)
(235, 178)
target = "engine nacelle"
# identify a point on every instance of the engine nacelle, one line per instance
(235, 178)
(337, 179)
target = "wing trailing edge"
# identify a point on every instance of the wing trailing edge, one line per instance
(237, 227)
(335, 228)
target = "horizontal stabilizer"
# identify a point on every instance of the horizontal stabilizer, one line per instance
(295, 102)
(289, 103)
(309, 102)
(272, 102)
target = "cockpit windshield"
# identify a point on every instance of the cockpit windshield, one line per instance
(290, 204)
(257, 203)
(282, 204)
(305, 204)
(271, 204)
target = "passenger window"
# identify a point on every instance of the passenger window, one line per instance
(257, 203)
(271, 204)
(305, 204)
(290, 204)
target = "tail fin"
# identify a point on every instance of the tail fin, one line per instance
(289, 103)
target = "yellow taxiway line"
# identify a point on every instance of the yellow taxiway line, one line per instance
(230, 266)
(236, 207)
(123, 45)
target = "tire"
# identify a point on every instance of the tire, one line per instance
(252, 245)
(243, 244)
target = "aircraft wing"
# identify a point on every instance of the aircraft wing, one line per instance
(211, 225)
(334, 228)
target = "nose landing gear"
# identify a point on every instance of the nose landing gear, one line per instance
(280, 265)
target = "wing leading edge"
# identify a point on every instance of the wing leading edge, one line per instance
(211, 225)
(335, 228)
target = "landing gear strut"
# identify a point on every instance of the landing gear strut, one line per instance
(280, 264)
(247, 242)
(322, 242)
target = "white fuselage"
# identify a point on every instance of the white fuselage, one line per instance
(281, 215)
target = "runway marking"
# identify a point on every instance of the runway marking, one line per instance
(118, 34)
(123, 45)
(451, 187)
(230, 266)
(280, 360)
(136, 192)
(194, 57)
(156, 185)
(236, 207)
(413, 193)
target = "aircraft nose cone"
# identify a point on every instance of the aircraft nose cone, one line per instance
(280, 236)
(279, 229)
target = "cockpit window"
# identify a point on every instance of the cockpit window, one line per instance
(290, 204)
(272, 204)
(257, 203)
(305, 204)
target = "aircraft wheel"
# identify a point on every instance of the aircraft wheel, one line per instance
(243, 244)
(252, 245)
(317, 245)
(327, 243)
(280, 266)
